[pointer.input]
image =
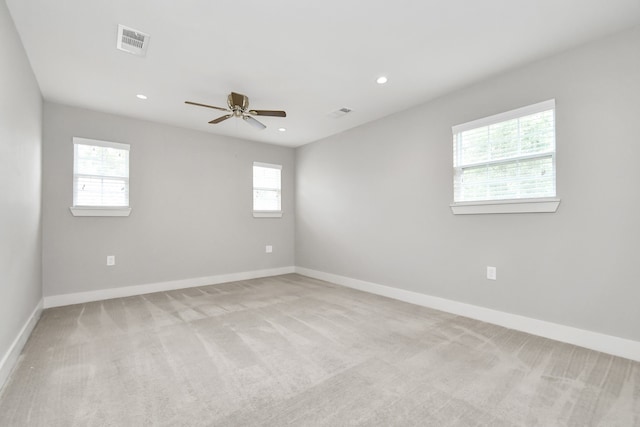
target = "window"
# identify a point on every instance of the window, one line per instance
(100, 178)
(506, 159)
(266, 190)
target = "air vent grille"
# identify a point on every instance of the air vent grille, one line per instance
(132, 41)
(132, 38)
(340, 113)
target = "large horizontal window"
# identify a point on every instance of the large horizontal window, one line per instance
(506, 158)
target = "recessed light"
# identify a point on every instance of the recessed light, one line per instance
(141, 96)
(282, 129)
(381, 80)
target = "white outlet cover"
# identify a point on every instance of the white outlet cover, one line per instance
(268, 249)
(491, 273)
(111, 260)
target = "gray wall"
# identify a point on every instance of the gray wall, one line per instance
(191, 200)
(373, 202)
(20, 184)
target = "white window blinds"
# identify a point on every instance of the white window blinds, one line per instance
(100, 173)
(506, 156)
(266, 187)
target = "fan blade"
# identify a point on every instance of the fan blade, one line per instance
(253, 122)
(273, 113)
(239, 100)
(205, 105)
(220, 119)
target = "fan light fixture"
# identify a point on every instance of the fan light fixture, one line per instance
(238, 106)
(381, 80)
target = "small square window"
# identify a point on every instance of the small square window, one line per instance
(100, 178)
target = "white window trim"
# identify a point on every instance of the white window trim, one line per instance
(268, 214)
(98, 143)
(507, 115)
(504, 206)
(539, 205)
(267, 165)
(100, 210)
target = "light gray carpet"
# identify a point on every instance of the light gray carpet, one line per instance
(290, 350)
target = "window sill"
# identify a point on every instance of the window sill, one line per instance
(99, 211)
(267, 214)
(542, 205)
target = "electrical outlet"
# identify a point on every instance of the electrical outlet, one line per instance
(268, 249)
(111, 260)
(491, 273)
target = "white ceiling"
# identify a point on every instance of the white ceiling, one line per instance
(308, 58)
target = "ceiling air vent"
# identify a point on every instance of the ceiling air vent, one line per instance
(132, 41)
(340, 113)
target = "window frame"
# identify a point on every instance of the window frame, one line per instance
(518, 205)
(275, 213)
(80, 210)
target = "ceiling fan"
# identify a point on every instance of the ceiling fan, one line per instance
(239, 107)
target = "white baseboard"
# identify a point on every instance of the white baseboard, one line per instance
(127, 291)
(10, 358)
(592, 340)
